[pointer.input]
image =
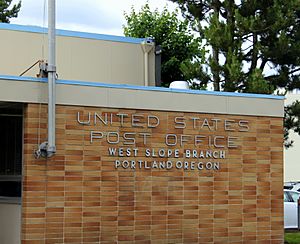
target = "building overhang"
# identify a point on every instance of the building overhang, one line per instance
(80, 93)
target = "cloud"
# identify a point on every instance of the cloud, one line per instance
(87, 12)
(102, 16)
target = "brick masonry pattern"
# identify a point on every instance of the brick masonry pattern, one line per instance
(79, 197)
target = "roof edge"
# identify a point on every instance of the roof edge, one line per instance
(143, 88)
(69, 33)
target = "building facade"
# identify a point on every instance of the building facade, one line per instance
(141, 164)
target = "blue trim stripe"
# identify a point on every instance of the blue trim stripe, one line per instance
(22, 78)
(37, 29)
(143, 88)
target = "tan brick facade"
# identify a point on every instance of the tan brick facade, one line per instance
(79, 196)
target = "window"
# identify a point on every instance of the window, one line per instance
(11, 131)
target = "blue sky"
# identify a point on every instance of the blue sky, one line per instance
(99, 16)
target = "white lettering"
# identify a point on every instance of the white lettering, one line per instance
(95, 135)
(231, 142)
(135, 120)
(244, 125)
(145, 135)
(228, 124)
(110, 135)
(179, 123)
(104, 121)
(153, 124)
(184, 138)
(112, 151)
(129, 140)
(84, 122)
(122, 116)
(169, 138)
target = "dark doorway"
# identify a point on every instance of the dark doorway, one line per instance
(11, 134)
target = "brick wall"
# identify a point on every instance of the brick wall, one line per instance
(79, 196)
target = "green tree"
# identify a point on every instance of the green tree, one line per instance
(291, 122)
(180, 49)
(251, 45)
(7, 11)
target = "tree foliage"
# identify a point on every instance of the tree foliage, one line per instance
(292, 121)
(180, 49)
(7, 11)
(250, 41)
(251, 45)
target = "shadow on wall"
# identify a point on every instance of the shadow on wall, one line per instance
(10, 223)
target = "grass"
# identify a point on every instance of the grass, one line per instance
(292, 237)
